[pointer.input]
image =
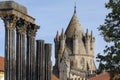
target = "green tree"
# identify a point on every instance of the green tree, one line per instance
(110, 30)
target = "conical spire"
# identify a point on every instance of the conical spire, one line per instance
(73, 25)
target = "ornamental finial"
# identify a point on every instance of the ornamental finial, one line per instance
(75, 8)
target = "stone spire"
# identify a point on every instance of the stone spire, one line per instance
(73, 25)
(62, 36)
(57, 36)
(87, 34)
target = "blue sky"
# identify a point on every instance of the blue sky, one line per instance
(53, 15)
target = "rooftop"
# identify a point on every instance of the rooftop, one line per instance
(102, 76)
(1, 63)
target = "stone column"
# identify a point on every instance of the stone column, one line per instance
(31, 33)
(20, 49)
(40, 60)
(10, 22)
(48, 62)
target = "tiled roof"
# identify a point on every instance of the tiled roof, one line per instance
(1, 63)
(102, 76)
(54, 77)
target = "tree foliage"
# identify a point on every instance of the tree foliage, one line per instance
(110, 30)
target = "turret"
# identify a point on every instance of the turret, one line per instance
(62, 46)
(87, 42)
(57, 37)
(57, 46)
(92, 41)
(62, 41)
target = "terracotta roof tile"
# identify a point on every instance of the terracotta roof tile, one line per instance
(54, 77)
(1, 63)
(102, 76)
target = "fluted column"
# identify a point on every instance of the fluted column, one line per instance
(40, 60)
(10, 22)
(31, 33)
(20, 49)
(48, 62)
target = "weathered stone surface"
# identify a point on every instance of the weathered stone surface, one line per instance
(48, 62)
(30, 58)
(13, 8)
(8, 5)
(9, 22)
(43, 61)
(40, 60)
(20, 50)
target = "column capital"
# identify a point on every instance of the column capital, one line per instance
(32, 29)
(9, 21)
(21, 26)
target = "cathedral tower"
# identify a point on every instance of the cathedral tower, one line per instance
(74, 52)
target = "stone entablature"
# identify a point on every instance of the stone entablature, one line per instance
(13, 8)
(8, 5)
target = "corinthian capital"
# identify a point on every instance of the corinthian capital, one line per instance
(32, 29)
(10, 21)
(21, 26)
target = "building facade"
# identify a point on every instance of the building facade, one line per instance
(74, 52)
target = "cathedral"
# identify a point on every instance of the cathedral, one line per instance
(74, 52)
